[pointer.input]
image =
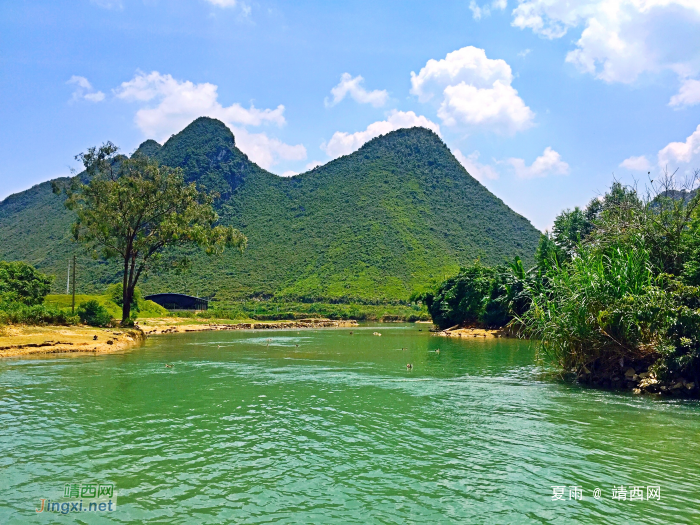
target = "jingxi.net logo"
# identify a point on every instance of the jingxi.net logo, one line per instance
(82, 497)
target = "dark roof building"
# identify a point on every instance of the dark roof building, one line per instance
(178, 301)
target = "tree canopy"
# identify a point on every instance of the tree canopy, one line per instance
(134, 209)
(22, 283)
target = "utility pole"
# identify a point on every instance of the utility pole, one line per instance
(68, 279)
(72, 306)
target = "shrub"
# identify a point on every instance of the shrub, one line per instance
(36, 315)
(480, 295)
(22, 283)
(115, 292)
(94, 314)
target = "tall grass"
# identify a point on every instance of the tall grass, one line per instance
(600, 307)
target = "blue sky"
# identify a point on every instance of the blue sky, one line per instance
(544, 101)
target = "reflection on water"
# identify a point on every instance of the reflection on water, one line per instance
(324, 426)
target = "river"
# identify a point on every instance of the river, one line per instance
(329, 426)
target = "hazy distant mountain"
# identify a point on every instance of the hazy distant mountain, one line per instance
(374, 225)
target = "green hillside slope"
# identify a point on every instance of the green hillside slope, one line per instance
(373, 226)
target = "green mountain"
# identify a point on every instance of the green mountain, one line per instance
(391, 218)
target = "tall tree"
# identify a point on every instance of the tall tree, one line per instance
(134, 209)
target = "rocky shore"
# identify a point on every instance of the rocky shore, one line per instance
(483, 333)
(638, 378)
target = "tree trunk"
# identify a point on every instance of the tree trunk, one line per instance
(126, 296)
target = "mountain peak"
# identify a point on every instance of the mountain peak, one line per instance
(205, 129)
(404, 140)
(149, 148)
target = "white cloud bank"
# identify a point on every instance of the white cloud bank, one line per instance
(623, 39)
(353, 87)
(640, 163)
(675, 154)
(84, 90)
(476, 92)
(682, 152)
(485, 10)
(342, 143)
(549, 163)
(245, 8)
(477, 170)
(688, 94)
(170, 105)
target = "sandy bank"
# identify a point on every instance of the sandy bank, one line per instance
(17, 340)
(176, 325)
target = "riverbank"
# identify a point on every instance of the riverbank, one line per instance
(483, 333)
(172, 325)
(20, 340)
(16, 340)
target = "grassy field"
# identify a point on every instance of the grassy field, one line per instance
(148, 309)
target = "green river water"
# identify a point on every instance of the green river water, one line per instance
(321, 426)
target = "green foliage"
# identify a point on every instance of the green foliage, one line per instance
(461, 299)
(22, 283)
(480, 296)
(617, 282)
(146, 308)
(597, 306)
(368, 228)
(93, 313)
(134, 209)
(38, 314)
(115, 292)
(628, 289)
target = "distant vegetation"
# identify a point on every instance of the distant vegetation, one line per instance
(615, 285)
(279, 310)
(393, 218)
(22, 293)
(24, 299)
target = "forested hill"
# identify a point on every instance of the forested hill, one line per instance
(375, 225)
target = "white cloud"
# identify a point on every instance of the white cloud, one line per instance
(353, 87)
(681, 152)
(245, 8)
(688, 95)
(342, 143)
(476, 91)
(84, 90)
(179, 101)
(621, 39)
(108, 4)
(313, 164)
(476, 10)
(170, 105)
(477, 170)
(289, 173)
(549, 163)
(485, 10)
(636, 163)
(524, 53)
(499, 108)
(266, 151)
